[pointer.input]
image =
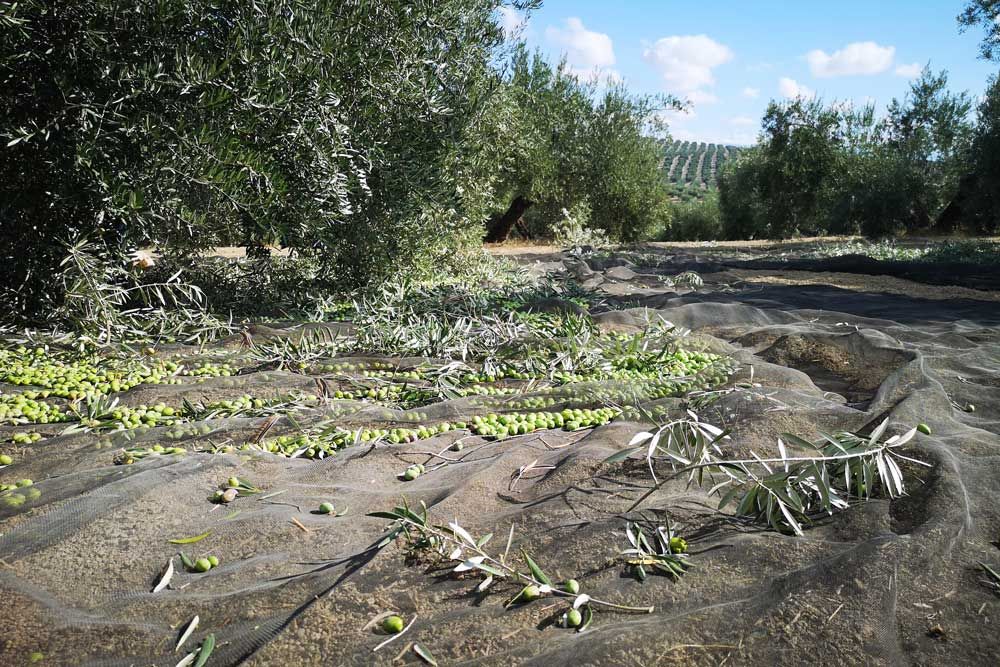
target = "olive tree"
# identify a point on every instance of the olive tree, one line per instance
(984, 14)
(783, 185)
(335, 127)
(574, 144)
(982, 210)
(835, 168)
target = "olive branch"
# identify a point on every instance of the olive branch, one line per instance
(783, 492)
(454, 543)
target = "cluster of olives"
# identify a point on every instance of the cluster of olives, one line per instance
(25, 438)
(503, 373)
(244, 402)
(485, 390)
(24, 409)
(312, 446)
(133, 454)
(383, 393)
(18, 493)
(643, 389)
(66, 378)
(342, 367)
(145, 416)
(20, 484)
(321, 445)
(351, 367)
(414, 471)
(203, 564)
(190, 431)
(207, 369)
(502, 426)
(423, 431)
(78, 378)
(395, 374)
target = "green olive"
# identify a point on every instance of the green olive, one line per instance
(5, 460)
(573, 618)
(202, 565)
(530, 593)
(572, 586)
(326, 508)
(924, 428)
(213, 561)
(393, 625)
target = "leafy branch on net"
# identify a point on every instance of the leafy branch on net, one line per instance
(454, 543)
(783, 492)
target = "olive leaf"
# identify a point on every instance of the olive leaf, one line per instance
(188, 631)
(191, 540)
(205, 651)
(536, 571)
(424, 654)
(168, 574)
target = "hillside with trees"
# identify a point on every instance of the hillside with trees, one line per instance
(692, 167)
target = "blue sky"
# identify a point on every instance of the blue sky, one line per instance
(729, 58)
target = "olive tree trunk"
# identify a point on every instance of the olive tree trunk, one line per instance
(501, 226)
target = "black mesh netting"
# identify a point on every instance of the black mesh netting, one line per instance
(885, 582)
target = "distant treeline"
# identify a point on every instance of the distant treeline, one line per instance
(931, 163)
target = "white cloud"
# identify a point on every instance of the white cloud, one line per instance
(686, 62)
(511, 20)
(792, 89)
(751, 92)
(858, 58)
(588, 53)
(701, 97)
(742, 121)
(910, 71)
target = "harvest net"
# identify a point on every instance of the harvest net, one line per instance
(883, 582)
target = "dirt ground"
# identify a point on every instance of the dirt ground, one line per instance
(884, 582)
